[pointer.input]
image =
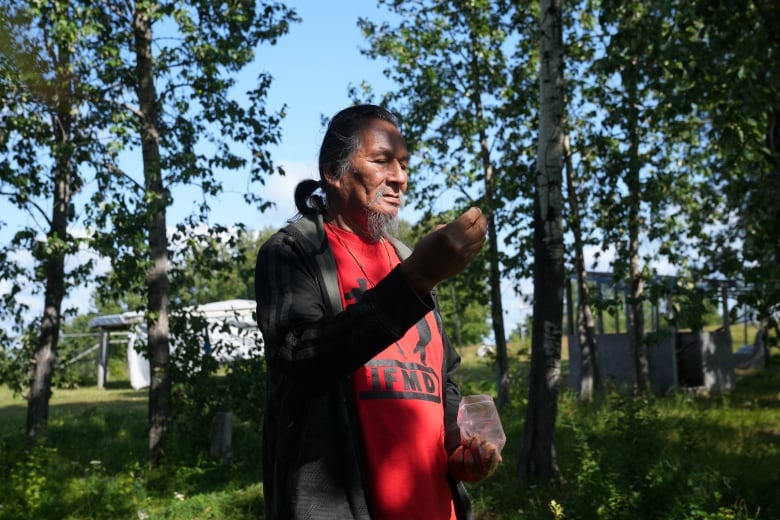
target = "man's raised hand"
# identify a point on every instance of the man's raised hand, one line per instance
(445, 251)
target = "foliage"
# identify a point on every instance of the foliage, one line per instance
(217, 265)
(700, 95)
(76, 93)
(675, 457)
(644, 143)
(177, 62)
(681, 457)
(203, 387)
(47, 137)
(205, 131)
(625, 483)
(703, 76)
(453, 64)
(15, 359)
(737, 82)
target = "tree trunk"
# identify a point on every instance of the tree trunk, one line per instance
(773, 133)
(586, 328)
(157, 278)
(496, 305)
(772, 18)
(54, 258)
(635, 325)
(537, 456)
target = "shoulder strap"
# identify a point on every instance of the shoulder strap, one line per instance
(313, 231)
(400, 248)
(460, 498)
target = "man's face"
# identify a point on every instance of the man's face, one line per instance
(374, 185)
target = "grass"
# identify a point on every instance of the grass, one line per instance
(621, 456)
(679, 456)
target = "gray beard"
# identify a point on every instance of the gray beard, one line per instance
(381, 226)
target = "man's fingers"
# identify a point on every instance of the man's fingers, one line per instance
(468, 460)
(488, 457)
(472, 221)
(472, 216)
(474, 460)
(446, 251)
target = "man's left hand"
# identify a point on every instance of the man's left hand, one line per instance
(474, 460)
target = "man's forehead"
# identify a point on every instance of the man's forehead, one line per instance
(383, 136)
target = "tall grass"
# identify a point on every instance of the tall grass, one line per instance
(680, 456)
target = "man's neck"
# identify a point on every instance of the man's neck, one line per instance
(350, 226)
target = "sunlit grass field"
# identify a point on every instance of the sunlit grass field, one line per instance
(680, 456)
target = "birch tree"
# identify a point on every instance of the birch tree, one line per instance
(537, 456)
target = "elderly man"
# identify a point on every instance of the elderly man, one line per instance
(361, 408)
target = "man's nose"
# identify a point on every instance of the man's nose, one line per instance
(398, 175)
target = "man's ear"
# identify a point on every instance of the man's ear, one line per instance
(331, 179)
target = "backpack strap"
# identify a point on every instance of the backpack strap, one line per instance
(312, 229)
(400, 248)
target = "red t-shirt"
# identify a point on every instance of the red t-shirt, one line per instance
(399, 395)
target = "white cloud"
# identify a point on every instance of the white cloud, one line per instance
(281, 191)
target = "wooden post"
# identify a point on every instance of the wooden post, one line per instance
(222, 437)
(601, 309)
(102, 375)
(655, 319)
(569, 308)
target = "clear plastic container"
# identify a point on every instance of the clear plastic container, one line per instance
(478, 416)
